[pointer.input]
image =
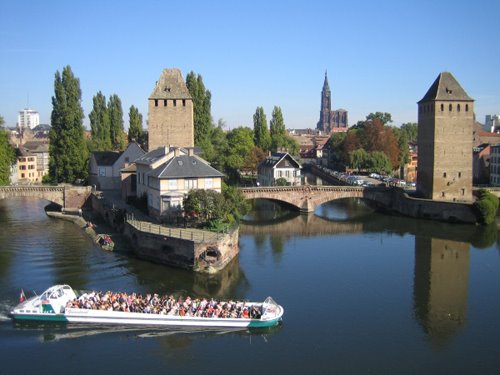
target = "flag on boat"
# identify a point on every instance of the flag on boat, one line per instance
(22, 297)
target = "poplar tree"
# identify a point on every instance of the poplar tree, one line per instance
(100, 124)
(278, 130)
(7, 155)
(135, 131)
(262, 137)
(116, 131)
(202, 115)
(68, 150)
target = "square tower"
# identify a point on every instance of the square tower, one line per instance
(170, 112)
(445, 124)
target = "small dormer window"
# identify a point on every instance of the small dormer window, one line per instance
(167, 89)
(179, 162)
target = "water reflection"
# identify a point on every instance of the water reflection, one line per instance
(441, 253)
(440, 286)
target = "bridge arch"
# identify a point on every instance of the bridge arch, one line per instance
(307, 198)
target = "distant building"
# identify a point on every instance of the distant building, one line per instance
(41, 150)
(481, 164)
(28, 118)
(279, 165)
(495, 165)
(492, 123)
(445, 127)
(170, 112)
(330, 121)
(26, 167)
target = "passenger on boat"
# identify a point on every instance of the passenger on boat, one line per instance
(154, 304)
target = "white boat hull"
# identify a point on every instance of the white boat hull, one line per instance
(36, 310)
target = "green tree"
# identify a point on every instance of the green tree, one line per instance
(486, 206)
(403, 146)
(116, 132)
(100, 124)
(411, 130)
(240, 145)
(68, 150)
(385, 117)
(215, 147)
(378, 162)
(278, 130)
(202, 115)
(7, 155)
(357, 159)
(262, 137)
(135, 131)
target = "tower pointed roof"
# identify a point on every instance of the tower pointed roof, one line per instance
(446, 87)
(326, 87)
(171, 85)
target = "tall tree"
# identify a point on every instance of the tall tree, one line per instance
(116, 132)
(7, 155)
(202, 115)
(411, 130)
(135, 131)
(68, 150)
(262, 137)
(385, 117)
(240, 142)
(278, 130)
(100, 124)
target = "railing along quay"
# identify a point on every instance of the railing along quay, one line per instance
(194, 235)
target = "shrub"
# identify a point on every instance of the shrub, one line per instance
(486, 206)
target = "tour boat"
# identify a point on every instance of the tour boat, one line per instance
(52, 305)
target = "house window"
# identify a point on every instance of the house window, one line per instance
(172, 184)
(101, 171)
(22, 175)
(209, 183)
(191, 183)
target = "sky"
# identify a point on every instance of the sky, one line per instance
(380, 55)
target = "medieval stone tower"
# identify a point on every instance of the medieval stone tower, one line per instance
(445, 123)
(170, 112)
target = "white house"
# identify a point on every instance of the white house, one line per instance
(105, 166)
(279, 165)
(166, 175)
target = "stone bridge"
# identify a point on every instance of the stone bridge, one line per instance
(306, 198)
(67, 196)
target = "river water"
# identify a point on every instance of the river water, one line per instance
(363, 293)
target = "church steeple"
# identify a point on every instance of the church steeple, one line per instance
(326, 87)
(326, 106)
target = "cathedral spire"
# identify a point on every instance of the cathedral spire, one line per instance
(326, 87)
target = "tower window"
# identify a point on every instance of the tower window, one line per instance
(164, 102)
(459, 174)
(175, 103)
(450, 107)
(183, 102)
(442, 107)
(458, 107)
(466, 108)
(156, 102)
(444, 175)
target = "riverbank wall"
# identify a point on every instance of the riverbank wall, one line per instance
(187, 248)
